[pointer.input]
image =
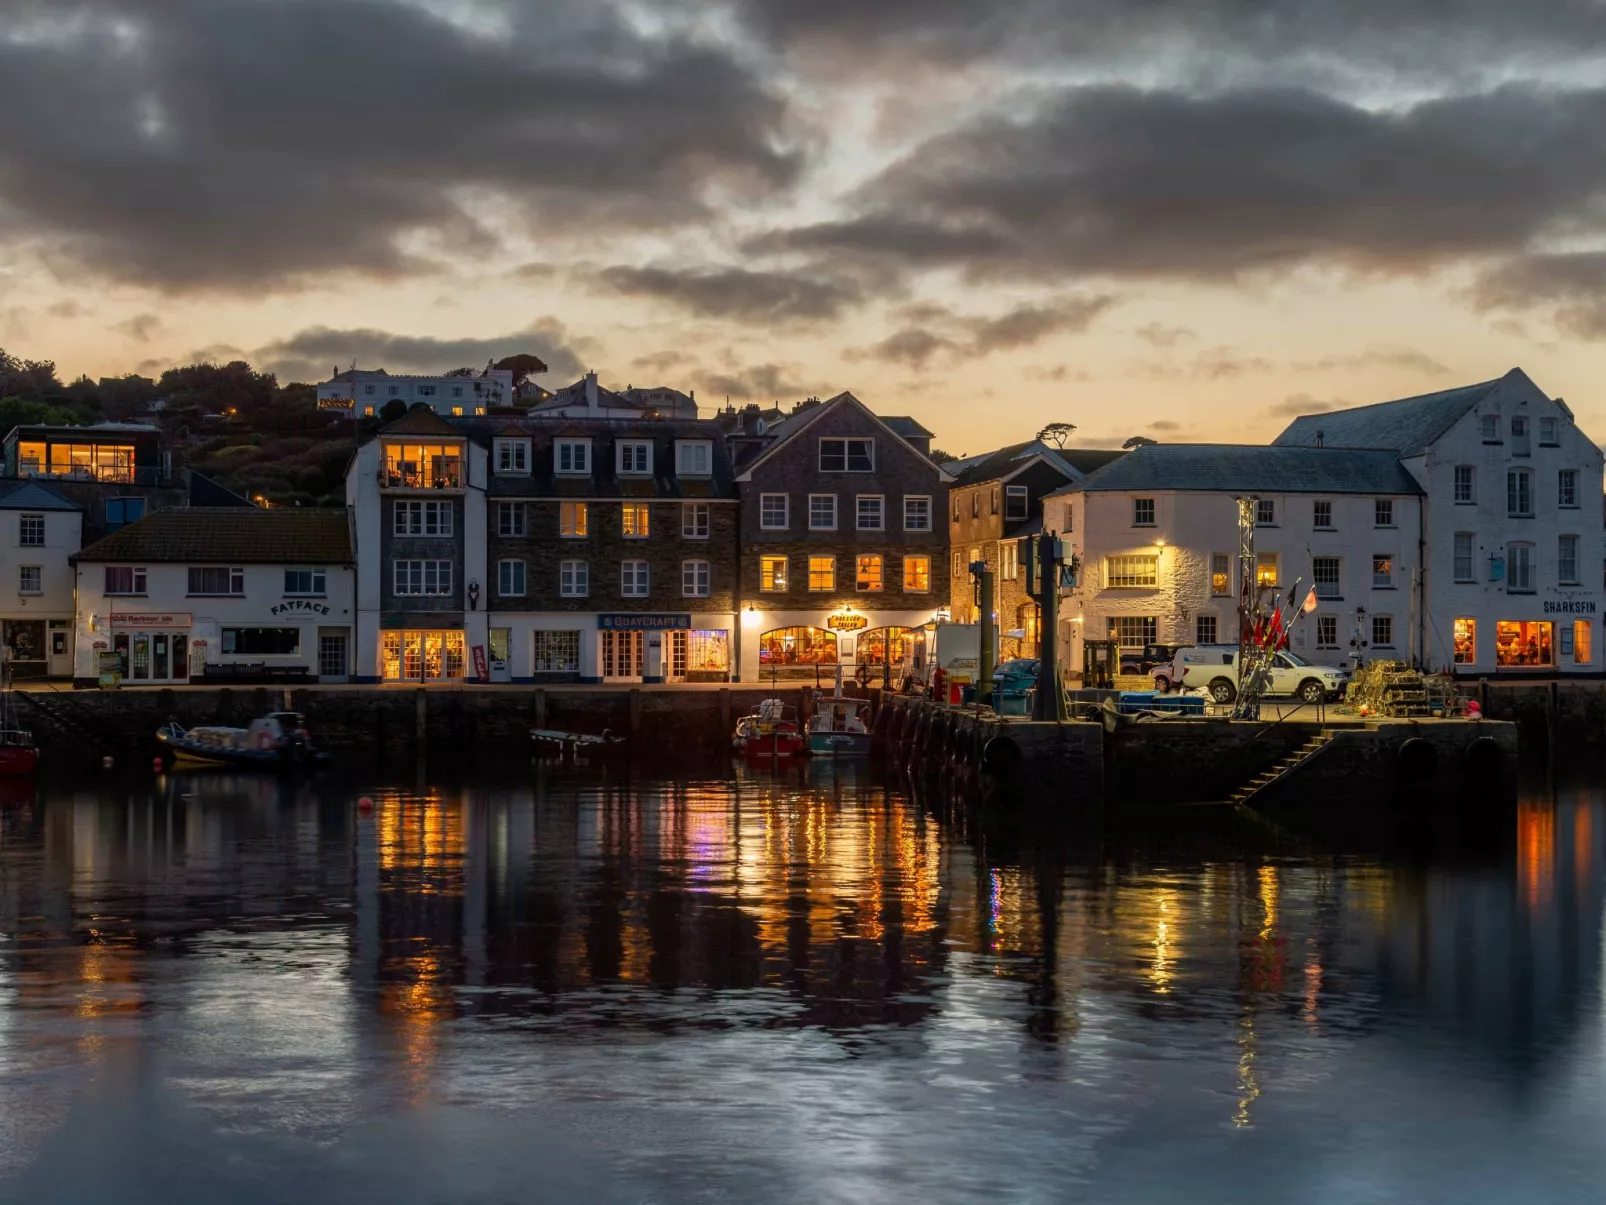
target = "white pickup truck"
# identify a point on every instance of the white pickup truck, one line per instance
(1215, 667)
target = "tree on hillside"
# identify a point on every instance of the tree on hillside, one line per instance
(1138, 441)
(31, 380)
(392, 410)
(15, 412)
(463, 372)
(232, 388)
(940, 457)
(1056, 434)
(523, 365)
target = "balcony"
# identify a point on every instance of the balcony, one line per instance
(421, 467)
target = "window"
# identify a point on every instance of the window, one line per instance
(975, 557)
(797, 646)
(975, 504)
(916, 574)
(1140, 570)
(571, 457)
(423, 577)
(1324, 573)
(1143, 512)
(1204, 629)
(1463, 556)
(423, 466)
(1519, 568)
(368, 390)
(1266, 512)
(572, 520)
(306, 583)
(30, 579)
(822, 512)
(870, 512)
(1009, 559)
(31, 531)
(694, 520)
(916, 512)
(368, 411)
(774, 512)
(512, 456)
(1519, 435)
(81, 462)
(694, 579)
(1221, 573)
(1383, 631)
(1266, 569)
(218, 580)
(510, 579)
(1465, 641)
(633, 579)
(822, 573)
(1519, 494)
(1135, 631)
(1327, 631)
(123, 579)
(1583, 654)
(457, 412)
(995, 500)
(1384, 516)
(555, 652)
(423, 519)
(1566, 488)
(120, 512)
(867, 575)
(1567, 560)
(634, 457)
(426, 391)
(510, 519)
(634, 520)
(457, 391)
(847, 455)
(1523, 643)
(395, 391)
(574, 579)
(1322, 515)
(959, 565)
(694, 458)
(1548, 429)
(1491, 428)
(262, 642)
(1017, 502)
(1382, 571)
(1465, 493)
(772, 574)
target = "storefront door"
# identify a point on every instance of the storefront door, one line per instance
(154, 656)
(422, 656)
(623, 654)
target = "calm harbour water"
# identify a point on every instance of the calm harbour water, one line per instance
(554, 985)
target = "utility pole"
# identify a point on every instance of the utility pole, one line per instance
(1044, 556)
(983, 577)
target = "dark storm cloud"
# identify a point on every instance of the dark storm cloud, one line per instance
(1572, 286)
(1114, 181)
(309, 355)
(249, 143)
(763, 298)
(935, 330)
(760, 383)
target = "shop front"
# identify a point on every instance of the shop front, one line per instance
(422, 655)
(809, 646)
(37, 648)
(1560, 639)
(673, 647)
(152, 647)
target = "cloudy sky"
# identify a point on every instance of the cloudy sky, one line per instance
(1181, 218)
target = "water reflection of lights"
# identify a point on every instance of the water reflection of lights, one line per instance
(1536, 852)
(1248, 1080)
(1160, 972)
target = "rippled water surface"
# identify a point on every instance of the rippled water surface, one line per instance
(557, 985)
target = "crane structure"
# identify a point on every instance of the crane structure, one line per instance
(1254, 657)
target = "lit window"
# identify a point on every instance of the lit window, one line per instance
(1466, 641)
(917, 574)
(572, 519)
(1220, 573)
(1135, 631)
(822, 573)
(634, 520)
(1265, 569)
(1009, 559)
(1382, 572)
(868, 573)
(772, 574)
(1524, 643)
(423, 466)
(1583, 653)
(773, 512)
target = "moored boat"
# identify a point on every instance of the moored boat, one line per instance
(278, 741)
(769, 732)
(838, 727)
(18, 754)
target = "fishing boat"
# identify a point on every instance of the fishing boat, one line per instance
(278, 741)
(769, 732)
(838, 727)
(19, 756)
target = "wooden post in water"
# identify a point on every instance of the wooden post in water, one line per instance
(635, 714)
(420, 715)
(1552, 719)
(724, 709)
(1483, 697)
(540, 708)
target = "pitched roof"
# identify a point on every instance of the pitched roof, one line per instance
(806, 414)
(420, 420)
(1408, 425)
(1251, 468)
(231, 535)
(1089, 460)
(603, 481)
(992, 466)
(35, 497)
(906, 426)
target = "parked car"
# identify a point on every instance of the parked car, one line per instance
(1149, 658)
(1215, 667)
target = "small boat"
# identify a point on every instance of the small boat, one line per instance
(19, 756)
(569, 743)
(769, 732)
(838, 728)
(277, 741)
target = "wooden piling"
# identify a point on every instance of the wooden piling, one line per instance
(540, 708)
(635, 714)
(725, 709)
(420, 715)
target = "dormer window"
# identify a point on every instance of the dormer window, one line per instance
(694, 458)
(1017, 502)
(512, 456)
(571, 457)
(847, 455)
(634, 458)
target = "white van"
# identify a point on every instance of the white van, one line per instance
(1215, 667)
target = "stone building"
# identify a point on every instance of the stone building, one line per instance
(843, 551)
(995, 501)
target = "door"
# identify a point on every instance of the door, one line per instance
(60, 648)
(332, 656)
(141, 670)
(181, 657)
(622, 654)
(159, 662)
(676, 656)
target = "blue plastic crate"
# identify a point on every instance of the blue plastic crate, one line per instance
(1130, 702)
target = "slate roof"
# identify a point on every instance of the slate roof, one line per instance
(905, 427)
(230, 535)
(990, 466)
(420, 420)
(1409, 425)
(1251, 468)
(35, 497)
(604, 434)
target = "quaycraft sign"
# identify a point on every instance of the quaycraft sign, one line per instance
(643, 623)
(292, 608)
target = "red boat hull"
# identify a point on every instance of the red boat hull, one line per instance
(17, 762)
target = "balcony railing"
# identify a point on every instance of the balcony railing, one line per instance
(99, 476)
(446, 476)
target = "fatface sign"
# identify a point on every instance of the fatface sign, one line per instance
(842, 621)
(299, 608)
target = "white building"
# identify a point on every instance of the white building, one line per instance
(355, 392)
(1513, 547)
(39, 532)
(586, 399)
(1157, 536)
(219, 593)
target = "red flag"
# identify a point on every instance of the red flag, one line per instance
(1274, 630)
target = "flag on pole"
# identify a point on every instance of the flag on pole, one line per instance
(1310, 601)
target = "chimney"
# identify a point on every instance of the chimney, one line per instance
(1320, 436)
(592, 405)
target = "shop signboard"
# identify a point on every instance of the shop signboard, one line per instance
(644, 622)
(847, 621)
(152, 619)
(304, 610)
(479, 663)
(110, 665)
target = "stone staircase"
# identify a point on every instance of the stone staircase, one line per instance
(1246, 793)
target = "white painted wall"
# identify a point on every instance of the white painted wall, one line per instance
(63, 537)
(444, 395)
